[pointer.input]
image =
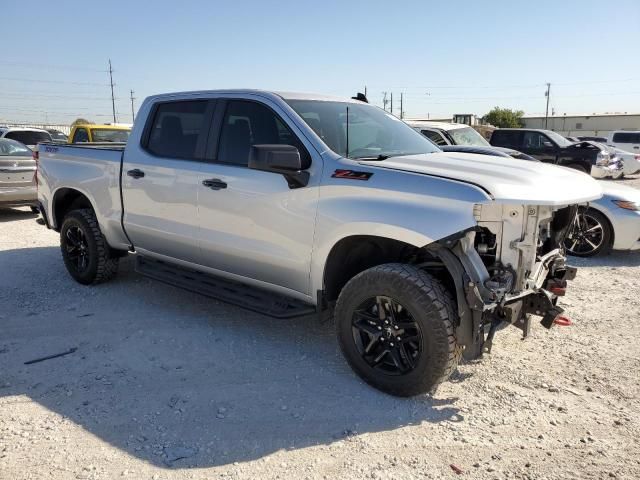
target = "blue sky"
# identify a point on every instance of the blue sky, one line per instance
(446, 57)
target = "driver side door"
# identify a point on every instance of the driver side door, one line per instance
(253, 224)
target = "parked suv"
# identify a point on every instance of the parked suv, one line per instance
(551, 147)
(25, 135)
(457, 137)
(629, 141)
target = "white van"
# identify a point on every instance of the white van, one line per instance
(626, 140)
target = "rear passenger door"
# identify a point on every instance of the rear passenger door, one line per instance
(161, 175)
(252, 223)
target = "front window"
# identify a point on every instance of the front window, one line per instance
(372, 132)
(28, 137)
(558, 139)
(11, 148)
(467, 136)
(106, 135)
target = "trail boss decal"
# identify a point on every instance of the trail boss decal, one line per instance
(352, 175)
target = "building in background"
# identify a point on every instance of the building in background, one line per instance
(586, 125)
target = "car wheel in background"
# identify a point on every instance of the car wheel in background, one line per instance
(85, 252)
(590, 234)
(395, 326)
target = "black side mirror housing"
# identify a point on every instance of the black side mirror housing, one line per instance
(282, 159)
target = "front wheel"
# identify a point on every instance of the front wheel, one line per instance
(85, 252)
(590, 234)
(395, 326)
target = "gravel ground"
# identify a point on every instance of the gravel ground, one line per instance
(168, 384)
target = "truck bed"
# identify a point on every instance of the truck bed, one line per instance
(94, 170)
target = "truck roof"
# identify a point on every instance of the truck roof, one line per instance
(440, 125)
(21, 129)
(265, 93)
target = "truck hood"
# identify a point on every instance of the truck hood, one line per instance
(507, 180)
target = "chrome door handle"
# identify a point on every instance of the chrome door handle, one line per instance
(214, 183)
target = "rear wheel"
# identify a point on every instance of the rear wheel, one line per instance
(395, 326)
(590, 234)
(85, 252)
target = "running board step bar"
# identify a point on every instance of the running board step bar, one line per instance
(229, 291)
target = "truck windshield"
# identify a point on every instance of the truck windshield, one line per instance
(372, 132)
(106, 135)
(467, 136)
(559, 139)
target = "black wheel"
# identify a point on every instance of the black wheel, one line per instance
(577, 166)
(590, 234)
(85, 252)
(395, 326)
(35, 210)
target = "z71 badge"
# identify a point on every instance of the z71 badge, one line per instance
(352, 175)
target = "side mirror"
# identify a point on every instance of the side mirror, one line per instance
(547, 144)
(282, 159)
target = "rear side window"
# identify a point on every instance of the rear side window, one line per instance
(27, 137)
(250, 123)
(626, 137)
(176, 129)
(81, 136)
(435, 137)
(507, 138)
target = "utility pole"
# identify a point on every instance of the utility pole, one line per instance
(133, 115)
(546, 115)
(365, 90)
(113, 100)
(391, 103)
(401, 110)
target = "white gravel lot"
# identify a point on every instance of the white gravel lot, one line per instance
(166, 384)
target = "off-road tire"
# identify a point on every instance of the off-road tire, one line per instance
(102, 260)
(430, 305)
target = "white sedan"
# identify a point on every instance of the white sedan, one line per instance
(612, 222)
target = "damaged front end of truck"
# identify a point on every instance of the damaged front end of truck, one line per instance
(507, 270)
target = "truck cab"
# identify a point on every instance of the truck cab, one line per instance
(550, 147)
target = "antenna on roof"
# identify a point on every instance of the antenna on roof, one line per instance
(347, 140)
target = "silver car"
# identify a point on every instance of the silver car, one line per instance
(611, 222)
(17, 175)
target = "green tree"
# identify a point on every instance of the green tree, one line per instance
(504, 118)
(81, 121)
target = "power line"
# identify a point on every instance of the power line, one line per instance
(51, 66)
(34, 80)
(63, 97)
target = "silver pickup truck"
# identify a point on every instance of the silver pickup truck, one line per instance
(290, 204)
